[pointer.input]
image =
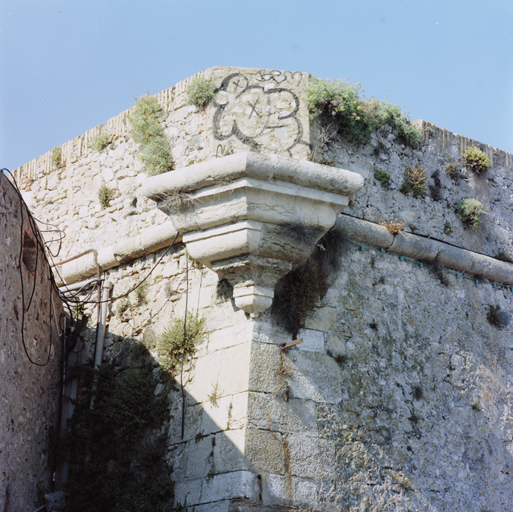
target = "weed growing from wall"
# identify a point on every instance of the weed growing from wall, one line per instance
(391, 115)
(176, 341)
(415, 181)
(214, 397)
(301, 290)
(393, 225)
(105, 196)
(201, 92)
(382, 176)
(340, 102)
(452, 169)
(100, 141)
(147, 131)
(123, 306)
(56, 156)
(141, 293)
(476, 161)
(117, 450)
(470, 211)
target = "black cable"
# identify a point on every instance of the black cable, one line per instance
(138, 284)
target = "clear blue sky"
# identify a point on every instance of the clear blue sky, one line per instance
(69, 65)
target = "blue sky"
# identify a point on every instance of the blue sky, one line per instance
(69, 65)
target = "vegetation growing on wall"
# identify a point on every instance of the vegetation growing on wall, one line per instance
(356, 118)
(201, 92)
(105, 196)
(300, 292)
(476, 161)
(117, 449)
(146, 130)
(415, 181)
(393, 225)
(180, 339)
(56, 156)
(100, 141)
(382, 176)
(470, 211)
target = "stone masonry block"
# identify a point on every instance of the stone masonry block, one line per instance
(238, 484)
(265, 451)
(313, 341)
(265, 366)
(322, 319)
(266, 411)
(315, 377)
(229, 452)
(200, 456)
(311, 457)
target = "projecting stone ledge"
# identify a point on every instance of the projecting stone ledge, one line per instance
(252, 218)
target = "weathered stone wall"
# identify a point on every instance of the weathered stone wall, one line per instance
(399, 397)
(30, 316)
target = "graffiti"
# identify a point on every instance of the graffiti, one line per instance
(258, 111)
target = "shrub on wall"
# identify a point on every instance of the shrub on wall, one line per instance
(56, 156)
(356, 118)
(476, 161)
(100, 141)
(470, 211)
(179, 340)
(201, 92)
(147, 131)
(105, 196)
(415, 181)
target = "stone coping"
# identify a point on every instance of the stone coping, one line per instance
(247, 164)
(358, 230)
(425, 249)
(151, 240)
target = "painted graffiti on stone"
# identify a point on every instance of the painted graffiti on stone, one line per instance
(259, 111)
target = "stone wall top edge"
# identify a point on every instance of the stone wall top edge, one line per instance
(117, 126)
(446, 138)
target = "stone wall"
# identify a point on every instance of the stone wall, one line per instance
(399, 396)
(30, 357)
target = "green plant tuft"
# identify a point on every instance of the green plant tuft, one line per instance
(100, 141)
(177, 342)
(147, 131)
(214, 397)
(476, 161)
(105, 196)
(452, 169)
(382, 176)
(201, 92)
(123, 306)
(415, 181)
(339, 102)
(56, 156)
(141, 293)
(470, 211)
(391, 115)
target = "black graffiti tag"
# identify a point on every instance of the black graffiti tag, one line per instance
(258, 114)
